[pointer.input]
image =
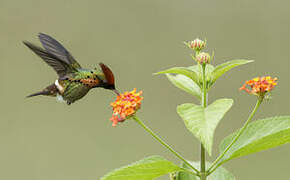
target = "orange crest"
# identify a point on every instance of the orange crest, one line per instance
(108, 74)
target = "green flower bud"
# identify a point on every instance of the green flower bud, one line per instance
(203, 58)
(196, 45)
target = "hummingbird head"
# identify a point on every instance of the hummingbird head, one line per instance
(109, 82)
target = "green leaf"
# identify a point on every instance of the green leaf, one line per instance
(184, 83)
(145, 169)
(181, 70)
(220, 173)
(225, 67)
(201, 122)
(258, 136)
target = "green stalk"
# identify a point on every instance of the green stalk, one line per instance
(165, 144)
(203, 173)
(214, 165)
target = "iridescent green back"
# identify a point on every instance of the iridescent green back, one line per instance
(75, 90)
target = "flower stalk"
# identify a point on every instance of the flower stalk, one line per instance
(203, 173)
(155, 136)
(215, 164)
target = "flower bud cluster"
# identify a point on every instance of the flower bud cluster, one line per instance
(197, 45)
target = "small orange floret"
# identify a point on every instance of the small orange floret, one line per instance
(125, 106)
(259, 85)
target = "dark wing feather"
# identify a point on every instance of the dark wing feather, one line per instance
(59, 66)
(54, 47)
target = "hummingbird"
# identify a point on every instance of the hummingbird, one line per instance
(73, 81)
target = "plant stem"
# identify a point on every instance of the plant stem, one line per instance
(203, 173)
(164, 144)
(213, 167)
(202, 163)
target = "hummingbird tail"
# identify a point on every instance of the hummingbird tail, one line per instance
(37, 94)
(48, 91)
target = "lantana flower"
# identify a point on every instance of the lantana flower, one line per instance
(260, 85)
(125, 106)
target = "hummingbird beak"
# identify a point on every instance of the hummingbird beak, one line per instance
(117, 92)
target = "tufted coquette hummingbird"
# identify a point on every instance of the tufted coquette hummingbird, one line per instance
(73, 82)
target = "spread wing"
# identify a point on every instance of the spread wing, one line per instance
(54, 47)
(58, 65)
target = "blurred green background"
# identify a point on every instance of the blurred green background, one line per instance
(41, 139)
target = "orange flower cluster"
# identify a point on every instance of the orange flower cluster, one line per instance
(260, 85)
(125, 106)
